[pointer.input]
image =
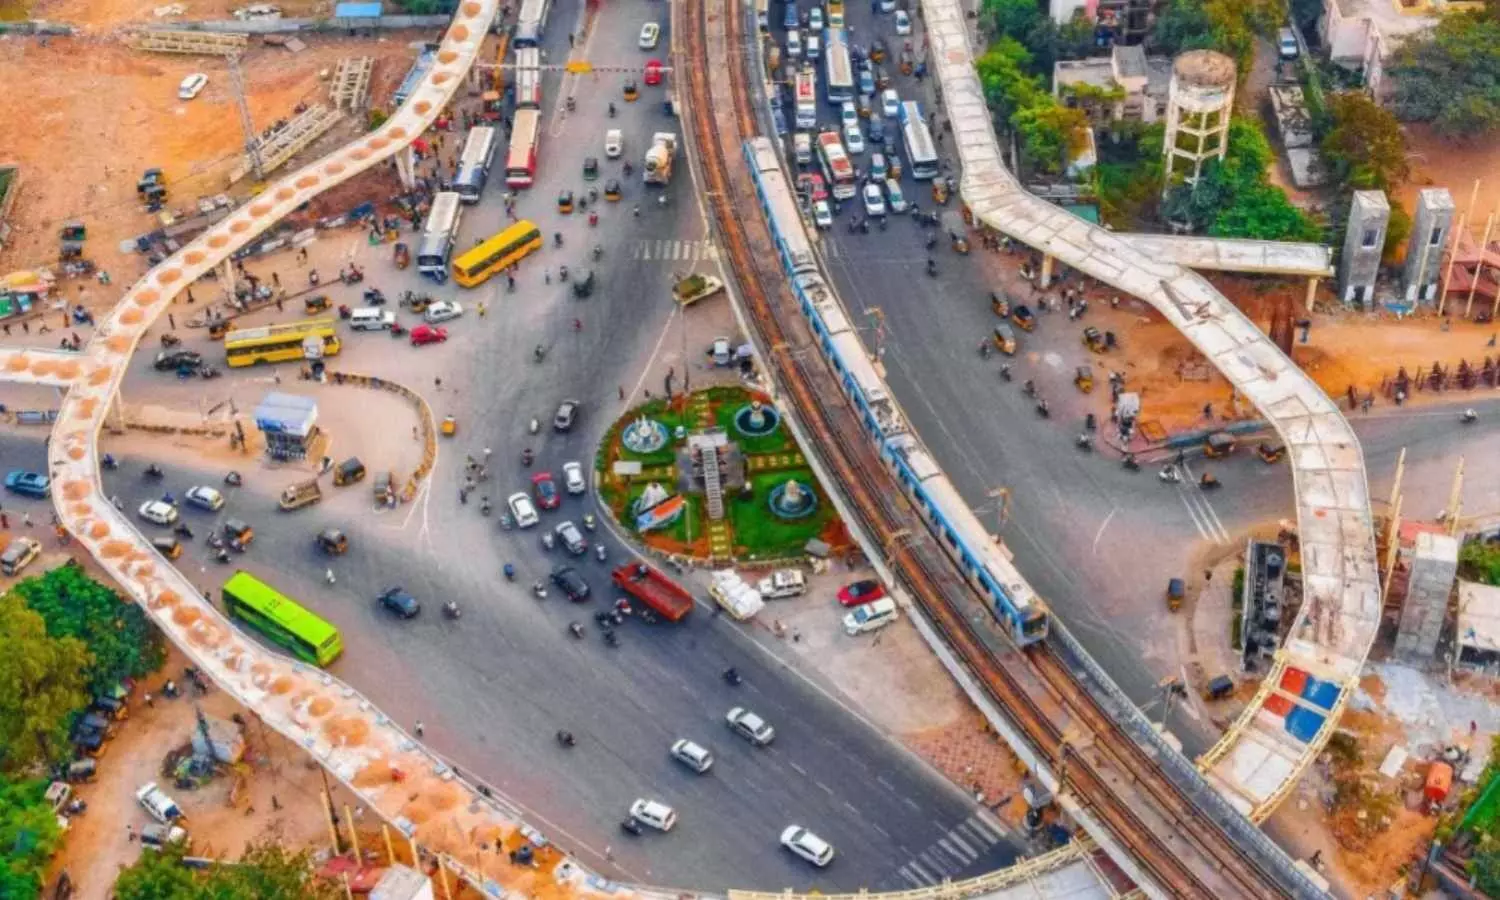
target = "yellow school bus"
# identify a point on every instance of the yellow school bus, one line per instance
(497, 254)
(312, 339)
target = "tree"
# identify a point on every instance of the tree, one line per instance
(122, 640)
(41, 685)
(266, 872)
(1233, 198)
(1012, 18)
(1447, 76)
(1364, 144)
(1051, 134)
(28, 837)
(1228, 26)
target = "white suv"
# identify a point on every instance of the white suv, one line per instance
(522, 510)
(158, 511)
(807, 845)
(573, 478)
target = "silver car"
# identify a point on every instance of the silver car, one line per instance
(694, 756)
(750, 726)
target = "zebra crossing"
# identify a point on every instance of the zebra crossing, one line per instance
(668, 250)
(954, 852)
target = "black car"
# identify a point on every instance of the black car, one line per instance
(567, 412)
(168, 360)
(398, 601)
(571, 582)
(584, 287)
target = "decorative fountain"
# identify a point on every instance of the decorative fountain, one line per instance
(644, 435)
(793, 500)
(756, 419)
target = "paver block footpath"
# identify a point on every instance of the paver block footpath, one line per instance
(972, 757)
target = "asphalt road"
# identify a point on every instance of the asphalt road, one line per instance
(494, 687)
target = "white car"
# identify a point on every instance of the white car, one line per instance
(442, 311)
(815, 19)
(887, 6)
(750, 726)
(650, 35)
(694, 756)
(205, 497)
(874, 200)
(573, 478)
(848, 114)
(894, 198)
(903, 23)
(822, 214)
(614, 143)
(807, 845)
(192, 86)
(650, 812)
(890, 103)
(522, 510)
(854, 139)
(878, 168)
(158, 511)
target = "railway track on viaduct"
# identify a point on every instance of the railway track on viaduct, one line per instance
(1111, 778)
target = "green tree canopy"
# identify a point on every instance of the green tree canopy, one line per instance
(1049, 132)
(1450, 76)
(1228, 26)
(267, 871)
(1234, 199)
(41, 685)
(1364, 144)
(122, 640)
(28, 837)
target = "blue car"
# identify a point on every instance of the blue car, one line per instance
(789, 16)
(29, 484)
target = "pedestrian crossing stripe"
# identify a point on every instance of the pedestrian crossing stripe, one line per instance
(669, 250)
(956, 850)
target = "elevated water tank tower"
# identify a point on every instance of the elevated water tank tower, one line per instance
(1199, 102)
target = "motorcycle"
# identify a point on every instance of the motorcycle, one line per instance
(566, 738)
(451, 610)
(611, 110)
(601, 552)
(1029, 388)
(539, 588)
(1130, 463)
(1469, 417)
(183, 531)
(562, 273)
(1084, 443)
(170, 340)
(598, 252)
(1169, 475)
(222, 556)
(527, 457)
(932, 267)
(589, 522)
(610, 638)
(557, 238)
(732, 677)
(484, 506)
(548, 541)
(353, 276)
(1042, 409)
(540, 352)
(507, 522)
(233, 479)
(576, 630)
(153, 471)
(534, 426)
(986, 347)
(109, 462)
(1089, 424)
(1005, 373)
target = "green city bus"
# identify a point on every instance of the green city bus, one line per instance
(279, 618)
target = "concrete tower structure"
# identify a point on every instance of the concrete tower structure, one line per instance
(1199, 101)
(1430, 229)
(1364, 239)
(1434, 568)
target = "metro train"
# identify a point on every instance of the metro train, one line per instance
(959, 531)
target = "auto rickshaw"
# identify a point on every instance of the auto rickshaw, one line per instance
(1175, 591)
(612, 189)
(908, 62)
(1000, 304)
(877, 51)
(238, 532)
(1024, 318)
(348, 472)
(417, 303)
(449, 427)
(590, 168)
(1220, 443)
(565, 202)
(1005, 339)
(939, 192)
(169, 547)
(895, 166)
(402, 255)
(217, 329)
(1083, 378)
(584, 287)
(333, 542)
(1271, 453)
(1093, 340)
(631, 90)
(1218, 687)
(385, 488)
(316, 303)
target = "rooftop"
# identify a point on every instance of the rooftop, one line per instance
(1479, 616)
(1396, 19)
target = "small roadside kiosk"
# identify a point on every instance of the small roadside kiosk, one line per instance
(289, 424)
(358, 16)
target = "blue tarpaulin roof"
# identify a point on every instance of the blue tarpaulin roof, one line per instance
(286, 414)
(357, 11)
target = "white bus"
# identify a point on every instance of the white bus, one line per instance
(838, 171)
(839, 70)
(439, 235)
(474, 163)
(806, 93)
(527, 76)
(525, 134)
(920, 149)
(532, 22)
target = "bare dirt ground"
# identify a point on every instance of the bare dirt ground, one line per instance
(1439, 162)
(95, 16)
(109, 112)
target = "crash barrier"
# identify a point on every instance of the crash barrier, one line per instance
(1259, 759)
(391, 773)
(36, 416)
(424, 419)
(38, 27)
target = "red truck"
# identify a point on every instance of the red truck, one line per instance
(654, 589)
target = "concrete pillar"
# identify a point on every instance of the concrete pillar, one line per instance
(1434, 567)
(406, 168)
(1044, 277)
(1364, 240)
(1312, 290)
(1432, 225)
(226, 276)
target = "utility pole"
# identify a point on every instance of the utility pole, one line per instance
(252, 139)
(1002, 508)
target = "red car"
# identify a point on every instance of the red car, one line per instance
(546, 490)
(812, 184)
(861, 592)
(653, 72)
(428, 334)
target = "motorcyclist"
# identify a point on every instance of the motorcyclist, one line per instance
(557, 238)
(539, 352)
(527, 456)
(566, 738)
(611, 110)
(732, 675)
(1470, 415)
(598, 250)
(1029, 386)
(510, 572)
(109, 462)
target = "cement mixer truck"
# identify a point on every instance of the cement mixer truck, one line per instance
(659, 158)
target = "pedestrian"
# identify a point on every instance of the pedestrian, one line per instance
(328, 576)
(463, 496)
(26, 327)
(1208, 574)
(26, 519)
(190, 296)
(414, 434)
(275, 803)
(482, 309)
(171, 322)
(1208, 410)
(437, 384)
(419, 729)
(276, 278)
(130, 834)
(609, 853)
(577, 324)
(7, 332)
(622, 393)
(279, 305)
(570, 40)
(646, 392)
(487, 452)
(150, 700)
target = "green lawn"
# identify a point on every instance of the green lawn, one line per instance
(777, 441)
(765, 536)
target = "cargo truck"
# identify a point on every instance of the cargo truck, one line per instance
(658, 168)
(303, 493)
(657, 591)
(736, 597)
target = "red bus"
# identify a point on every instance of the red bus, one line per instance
(520, 163)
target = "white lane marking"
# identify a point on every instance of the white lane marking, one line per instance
(974, 834)
(1103, 525)
(1212, 526)
(933, 859)
(953, 836)
(906, 873)
(927, 877)
(826, 789)
(661, 339)
(985, 821)
(798, 769)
